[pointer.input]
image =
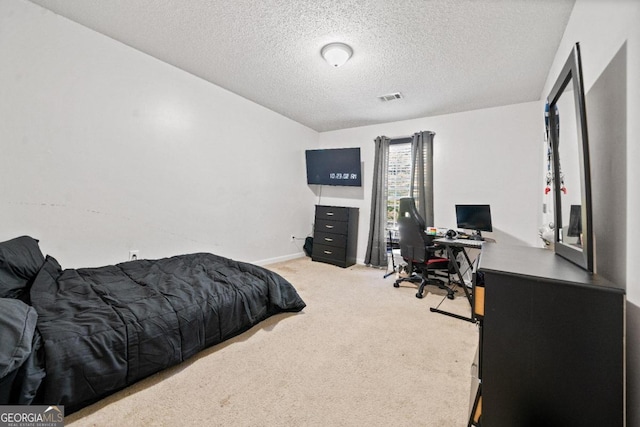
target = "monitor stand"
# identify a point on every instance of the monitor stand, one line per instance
(477, 236)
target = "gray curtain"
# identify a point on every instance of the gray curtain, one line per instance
(377, 244)
(422, 174)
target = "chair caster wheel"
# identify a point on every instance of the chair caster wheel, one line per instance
(450, 295)
(396, 284)
(419, 295)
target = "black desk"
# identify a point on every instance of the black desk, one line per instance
(453, 247)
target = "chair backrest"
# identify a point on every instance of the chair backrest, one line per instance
(413, 238)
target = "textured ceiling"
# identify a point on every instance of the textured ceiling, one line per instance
(444, 56)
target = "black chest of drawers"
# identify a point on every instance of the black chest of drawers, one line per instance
(552, 342)
(335, 235)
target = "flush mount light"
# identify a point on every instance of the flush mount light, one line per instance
(336, 54)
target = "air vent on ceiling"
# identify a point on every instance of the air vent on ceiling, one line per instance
(390, 97)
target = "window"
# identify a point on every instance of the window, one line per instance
(398, 182)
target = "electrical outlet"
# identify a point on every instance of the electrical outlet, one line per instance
(134, 254)
(293, 237)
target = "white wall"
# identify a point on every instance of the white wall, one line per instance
(604, 29)
(105, 149)
(484, 156)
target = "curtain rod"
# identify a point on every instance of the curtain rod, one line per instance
(400, 140)
(408, 138)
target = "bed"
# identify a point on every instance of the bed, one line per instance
(71, 337)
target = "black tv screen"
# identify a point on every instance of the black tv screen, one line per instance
(335, 166)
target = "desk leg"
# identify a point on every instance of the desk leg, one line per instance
(390, 254)
(452, 256)
(446, 313)
(462, 283)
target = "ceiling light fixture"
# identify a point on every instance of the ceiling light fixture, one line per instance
(336, 54)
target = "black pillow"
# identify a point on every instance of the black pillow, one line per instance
(20, 260)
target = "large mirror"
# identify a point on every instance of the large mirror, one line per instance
(571, 171)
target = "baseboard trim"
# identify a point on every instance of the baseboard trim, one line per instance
(289, 257)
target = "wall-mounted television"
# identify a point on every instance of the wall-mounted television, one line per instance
(334, 166)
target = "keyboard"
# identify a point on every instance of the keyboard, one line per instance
(469, 243)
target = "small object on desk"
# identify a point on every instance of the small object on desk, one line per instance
(451, 234)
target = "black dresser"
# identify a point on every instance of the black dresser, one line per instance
(335, 235)
(552, 342)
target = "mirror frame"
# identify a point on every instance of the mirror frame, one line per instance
(572, 72)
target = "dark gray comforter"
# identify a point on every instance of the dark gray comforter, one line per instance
(20, 370)
(105, 328)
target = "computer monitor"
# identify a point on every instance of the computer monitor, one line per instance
(474, 217)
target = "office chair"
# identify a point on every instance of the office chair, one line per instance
(417, 249)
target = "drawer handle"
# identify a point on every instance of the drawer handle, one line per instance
(329, 226)
(327, 239)
(329, 213)
(328, 252)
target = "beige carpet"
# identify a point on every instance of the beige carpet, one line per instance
(362, 353)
